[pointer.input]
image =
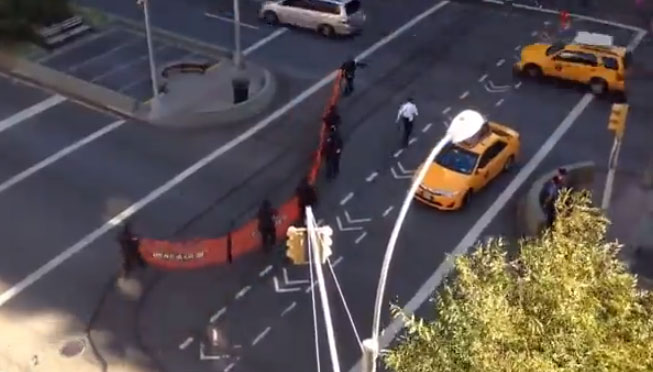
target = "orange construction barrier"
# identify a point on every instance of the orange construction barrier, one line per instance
(198, 253)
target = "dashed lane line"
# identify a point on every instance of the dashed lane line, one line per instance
(30, 112)
(229, 367)
(265, 271)
(517, 48)
(464, 95)
(218, 314)
(412, 140)
(289, 308)
(518, 85)
(360, 237)
(482, 78)
(261, 335)
(347, 198)
(242, 292)
(337, 261)
(499, 103)
(446, 110)
(427, 127)
(398, 152)
(371, 177)
(388, 210)
(186, 343)
(501, 62)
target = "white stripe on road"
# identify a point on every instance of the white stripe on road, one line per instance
(464, 95)
(218, 314)
(31, 111)
(388, 210)
(396, 154)
(501, 62)
(229, 20)
(58, 155)
(229, 367)
(289, 308)
(337, 261)
(499, 102)
(347, 198)
(427, 127)
(186, 343)
(446, 110)
(361, 237)
(371, 177)
(265, 40)
(265, 271)
(243, 291)
(155, 194)
(261, 335)
(426, 290)
(482, 78)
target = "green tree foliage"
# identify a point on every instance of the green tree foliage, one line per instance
(18, 17)
(566, 303)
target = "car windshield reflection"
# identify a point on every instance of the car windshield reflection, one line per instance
(457, 159)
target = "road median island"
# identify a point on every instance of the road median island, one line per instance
(532, 219)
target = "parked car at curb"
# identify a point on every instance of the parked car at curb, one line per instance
(327, 17)
(460, 170)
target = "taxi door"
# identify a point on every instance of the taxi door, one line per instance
(566, 66)
(490, 165)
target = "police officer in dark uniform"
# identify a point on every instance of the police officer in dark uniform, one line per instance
(332, 151)
(348, 69)
(266, 225)
(307, 197)
(129, 244)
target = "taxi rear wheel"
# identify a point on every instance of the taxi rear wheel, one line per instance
(598, 86)
(326, 30)
(533, 71)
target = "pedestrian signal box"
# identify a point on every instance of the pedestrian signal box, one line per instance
(618, 115)
(296, 245)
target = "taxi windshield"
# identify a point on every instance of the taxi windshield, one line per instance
(554, 48)
(457, 159)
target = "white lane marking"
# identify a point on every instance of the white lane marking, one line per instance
(482, 78)
(446, 110)
(308, 289)
(427, 127)
(104, 54)
(229, 367)
(58, 155)
(517, 48)
(360, 237)
(500, 62)
(243, 291)
(291, 282)
(218, 314)
(265, 271)
(337, 261)
(347, 198)
(464, 95)
(261, 335)
(371, 177)
(342, 228)
(388, 210)
(445, 124)
(289, 308)
(534, 33)
(278, 288)
(494, 1)
(412, 140)
(356, 220)
(518, 85)
(426, 290)
(62, 257)
(499, 103)
(250, 49)
(186, 343)
(229, 20)
(126, 65)
(30, 112)
(396, 154)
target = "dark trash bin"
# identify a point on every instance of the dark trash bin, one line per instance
(241, 90)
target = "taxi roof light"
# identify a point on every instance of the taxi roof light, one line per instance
(595, 39)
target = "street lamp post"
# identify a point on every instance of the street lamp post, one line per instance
(150, 49)
(464, 126)
(238, 54)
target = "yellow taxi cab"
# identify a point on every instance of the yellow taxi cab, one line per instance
(590, 59)
(462, 169)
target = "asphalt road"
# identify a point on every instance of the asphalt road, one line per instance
(455, 59)
(440, 61)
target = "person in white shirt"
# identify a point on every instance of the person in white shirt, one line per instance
(407, 113)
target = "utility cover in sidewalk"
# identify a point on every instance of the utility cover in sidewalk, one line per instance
(73, 348)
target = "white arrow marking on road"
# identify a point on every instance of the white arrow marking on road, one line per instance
(265, 271)
(352, 220)
(261, 335)
(404, 170)
(491, 88)
(278, 289)
(342, 228)
(218, 314)
(346, 198)
(498, 87)
(185, 344)
(289, 308)
(371, 177)
(243, 291)
(427, 127)
(482, 78)
(396, 155)
(361, 237)
(501, 62)
(499, 102)
(337, 261)
(211, 357)
(292, 282)
(397, 176)
(388, 210)
(446, 110)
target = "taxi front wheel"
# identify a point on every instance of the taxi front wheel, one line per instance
(533, 71)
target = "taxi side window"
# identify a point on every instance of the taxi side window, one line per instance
(610, 63)
(491, 153)
(577, 57)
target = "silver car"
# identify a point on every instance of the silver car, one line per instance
(328, 17)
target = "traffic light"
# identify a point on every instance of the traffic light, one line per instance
(617, 122)
(296, 244)
(325, 242)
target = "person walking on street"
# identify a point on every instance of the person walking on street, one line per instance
(348, 69)
(129, 244)
(266, 225)
(332, 151)
(306, 197)
(407, 113)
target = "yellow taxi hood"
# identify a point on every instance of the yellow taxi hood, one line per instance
(440, 178)
(534, 51)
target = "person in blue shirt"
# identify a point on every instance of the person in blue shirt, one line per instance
(550, 193)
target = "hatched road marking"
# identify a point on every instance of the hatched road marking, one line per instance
(31, 111)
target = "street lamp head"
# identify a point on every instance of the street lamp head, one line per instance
(465, 125)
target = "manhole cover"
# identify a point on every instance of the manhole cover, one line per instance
(73, 348)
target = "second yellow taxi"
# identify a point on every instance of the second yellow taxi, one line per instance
(462, 169)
